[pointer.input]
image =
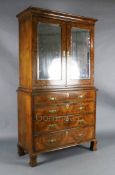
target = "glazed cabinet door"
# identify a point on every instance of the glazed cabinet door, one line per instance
(50, 43)
(80, 54)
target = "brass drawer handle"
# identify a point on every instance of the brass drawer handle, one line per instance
(81, 135)
(51, 141)
(81, 96)
(52, 111)
(51, 126)
(52, 98)
(81, 108)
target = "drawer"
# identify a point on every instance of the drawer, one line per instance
(81, 95)
(42, 124)
(57, 97)
(49, 98)
(63, 138)
(65, 109)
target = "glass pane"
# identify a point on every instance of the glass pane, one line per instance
(80, 54)
(49, 52)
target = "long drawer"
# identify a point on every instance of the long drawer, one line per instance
(63, 138)
(57, 97)
(45, 123)
(65, 109)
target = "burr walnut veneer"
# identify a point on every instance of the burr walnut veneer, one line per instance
(56, 94)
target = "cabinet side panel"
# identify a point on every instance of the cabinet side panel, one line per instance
(25, 63)
(24, 121)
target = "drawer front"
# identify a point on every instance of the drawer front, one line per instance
(65, 109)
(48, 124)
(63, 138)
(57, 97)
(81, 95)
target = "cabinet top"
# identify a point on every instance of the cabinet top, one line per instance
(34, 11)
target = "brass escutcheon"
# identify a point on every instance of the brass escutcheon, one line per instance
(52, 111)
(81, 96)
(67, 106)
(66, 120)
(52, 141)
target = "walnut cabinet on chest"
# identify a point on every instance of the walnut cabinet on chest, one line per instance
(56, 94)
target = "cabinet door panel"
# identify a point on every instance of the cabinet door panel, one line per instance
(50, 46)
(49, 50)
(79, 55)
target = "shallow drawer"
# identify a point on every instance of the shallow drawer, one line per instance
(44, 123)
(63, 138)
(65, 109)
(49, 98)
(57, 97)
(81, 95)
